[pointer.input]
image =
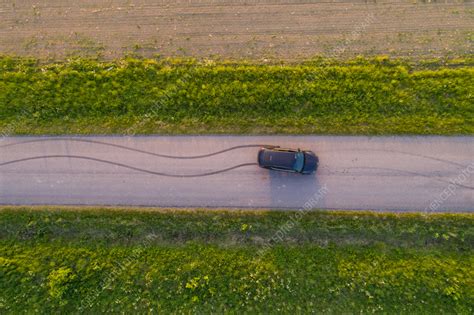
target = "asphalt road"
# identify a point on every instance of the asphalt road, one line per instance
(380, 173)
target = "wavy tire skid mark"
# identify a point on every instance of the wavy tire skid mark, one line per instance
(138, 150)
(219, 152)
(80, 157)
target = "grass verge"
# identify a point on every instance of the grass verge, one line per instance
(97, 260)
(185, 96)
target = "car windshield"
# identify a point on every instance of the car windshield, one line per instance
(299, 162)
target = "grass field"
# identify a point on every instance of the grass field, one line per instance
(185, 96)
(89, 260)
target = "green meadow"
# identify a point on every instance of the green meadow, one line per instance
(73, 260)
(186, 96)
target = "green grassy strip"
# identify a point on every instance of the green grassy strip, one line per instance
(142, 96)
(207, 261)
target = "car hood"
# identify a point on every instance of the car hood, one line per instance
(310, 163)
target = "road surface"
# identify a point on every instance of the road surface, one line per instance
(376, 173)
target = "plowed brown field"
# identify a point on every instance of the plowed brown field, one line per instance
(236, 29)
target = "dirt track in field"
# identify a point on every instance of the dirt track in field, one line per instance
(236, 29)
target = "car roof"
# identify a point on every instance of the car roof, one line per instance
(279, 158)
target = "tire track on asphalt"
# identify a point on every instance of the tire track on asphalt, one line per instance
(80, 157)
(139, 150)
(217, 152)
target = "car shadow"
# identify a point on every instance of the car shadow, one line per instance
(291, 190)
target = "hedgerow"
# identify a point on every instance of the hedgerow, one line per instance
(376, 96)
(208, 262)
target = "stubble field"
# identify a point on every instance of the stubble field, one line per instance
(236, 29)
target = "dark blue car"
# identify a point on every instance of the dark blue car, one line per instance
(288, 160)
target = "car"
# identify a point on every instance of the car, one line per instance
(288, 160)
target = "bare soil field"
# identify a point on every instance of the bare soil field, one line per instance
(236, 29)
